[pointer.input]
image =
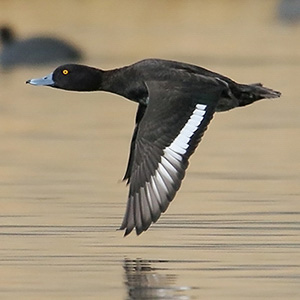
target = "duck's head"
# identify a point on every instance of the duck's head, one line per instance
(71, 77)
(6, 35)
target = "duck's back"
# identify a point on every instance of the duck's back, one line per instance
(161, 67)
(236, 95)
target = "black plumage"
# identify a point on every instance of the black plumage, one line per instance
(176, 103)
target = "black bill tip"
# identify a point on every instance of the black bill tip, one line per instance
(44, 81)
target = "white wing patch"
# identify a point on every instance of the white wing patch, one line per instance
(161, 184)
(180, 144)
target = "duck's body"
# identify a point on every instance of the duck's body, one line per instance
(34, 51)
(176, 103)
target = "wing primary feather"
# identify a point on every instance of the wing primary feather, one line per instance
(155, 191)
(165, 175)
(152, 198)
(162, 192)
(168, 181)
(172, 171)
(145, 209)
(137, 214)
(173, 157)
(161, 184)
(129, 217)
(125, 218)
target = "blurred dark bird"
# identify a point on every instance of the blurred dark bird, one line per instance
(289, 11)
(176, 103)
(34, 51)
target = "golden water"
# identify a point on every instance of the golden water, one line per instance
(233, 230)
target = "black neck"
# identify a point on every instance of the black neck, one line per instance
(117, 81)
(114, 81)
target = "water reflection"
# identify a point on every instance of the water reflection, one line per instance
(233, 232)
(146, 282)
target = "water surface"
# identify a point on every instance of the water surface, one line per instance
(233, 230)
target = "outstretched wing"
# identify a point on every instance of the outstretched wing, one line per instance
(168, 133)
(139, 115)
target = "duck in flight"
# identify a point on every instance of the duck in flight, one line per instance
(176, 102)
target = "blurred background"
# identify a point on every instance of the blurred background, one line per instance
(232, 231)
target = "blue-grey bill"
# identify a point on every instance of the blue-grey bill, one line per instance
(47, 80)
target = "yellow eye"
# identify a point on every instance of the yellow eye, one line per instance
(65, 71)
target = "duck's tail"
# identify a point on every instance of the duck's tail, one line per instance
(253, 92)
